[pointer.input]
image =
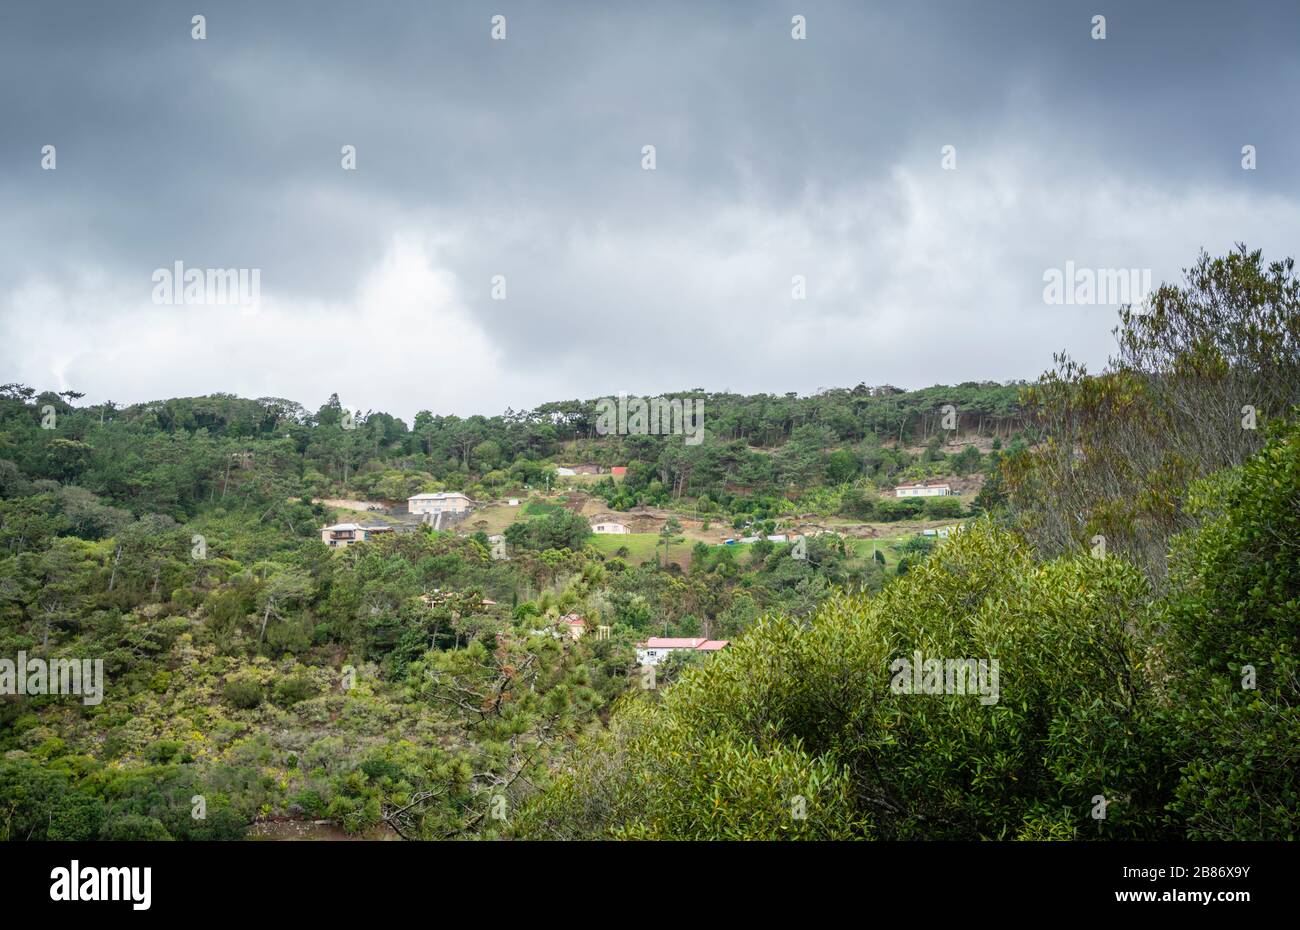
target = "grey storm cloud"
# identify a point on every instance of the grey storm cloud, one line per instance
(522, 158)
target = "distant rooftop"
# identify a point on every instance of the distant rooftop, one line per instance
(699, 643)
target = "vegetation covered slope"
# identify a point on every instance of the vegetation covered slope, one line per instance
(1134, 577)
(1104, 693)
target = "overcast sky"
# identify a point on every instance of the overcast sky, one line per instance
(523, 158)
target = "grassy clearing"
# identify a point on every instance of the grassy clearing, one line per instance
(642, 547)
(491, 519)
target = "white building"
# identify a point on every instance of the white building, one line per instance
(442, 502)
(607, 526)
(342, 535)
(657, 648)
(922, 490)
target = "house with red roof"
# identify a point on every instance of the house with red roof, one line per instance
(574, 624)
(657, 648)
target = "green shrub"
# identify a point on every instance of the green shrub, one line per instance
(559, 529)
(943, 508)
(295, 688)
(75, 816)
(160, 682)
(918, 545)
(311, 802)
(134, 828)
(244, 693)
(377, 769)
(891, 510)
(809, 711)
(163, 751)
(967, 460)
(1235, 613)
(859, 503)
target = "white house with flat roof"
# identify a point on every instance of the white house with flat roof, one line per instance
(608, 526)
(442, 502)
(922, 490)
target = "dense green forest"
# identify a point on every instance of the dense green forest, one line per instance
(1131, 562)
(178, 456)
(249, 665)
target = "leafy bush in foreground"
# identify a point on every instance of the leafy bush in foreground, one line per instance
(792, 712)
(1235, 614)
(1109, 698)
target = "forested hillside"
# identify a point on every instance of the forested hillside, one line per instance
(1139, 584)
(249, 665)
(1130, 560)
(176, 456)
